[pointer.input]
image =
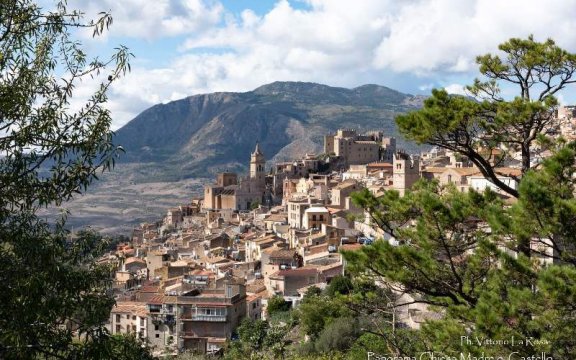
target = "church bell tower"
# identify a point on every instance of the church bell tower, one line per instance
(257, 166)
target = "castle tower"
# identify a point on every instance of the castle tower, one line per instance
(257, 167)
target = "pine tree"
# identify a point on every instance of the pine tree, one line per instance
(488, 269)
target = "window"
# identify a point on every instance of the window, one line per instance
(118, 317)
(118, 329)
(157, 336)
(133, 317)
(313, 217)
(156, 327)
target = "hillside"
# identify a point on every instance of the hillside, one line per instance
(203, 134)
(173, 149)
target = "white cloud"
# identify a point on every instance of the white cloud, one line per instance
(332, 41)
(155, 19)
(457, 89)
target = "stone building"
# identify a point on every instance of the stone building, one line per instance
(359, 149)
(231, 193)
(406, 171)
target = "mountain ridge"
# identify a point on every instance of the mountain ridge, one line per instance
(202, 134)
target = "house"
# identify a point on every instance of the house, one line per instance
(287, 282)
(314, 217)
(254, 307)
(254, 247)
(207, 318)
(129, 317)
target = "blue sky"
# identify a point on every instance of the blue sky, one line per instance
(187, 47)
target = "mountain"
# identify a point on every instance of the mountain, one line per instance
(203, 134)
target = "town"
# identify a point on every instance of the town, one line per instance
(187, 281)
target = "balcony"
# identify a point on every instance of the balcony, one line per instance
(208, 318)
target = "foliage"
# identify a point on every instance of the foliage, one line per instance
(312, 291)
(485, 128)
(54, 297)
(338, 335)
(258, 339)
(448, 260)
(339, 285)
(483, 268)
(255, 205)
(277, 304)
(316, 312)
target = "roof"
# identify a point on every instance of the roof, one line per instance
(351, 247)
(253, 297)
(432, 169)
(345, 184)
(379, 165)
(135, 260)
(156, 300)
(303, 271)
(179, 263)
(131, 307)
(266, 239)
(149, 289)
(276, 217)
(287, 254)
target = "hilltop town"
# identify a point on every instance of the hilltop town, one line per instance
(187, 281)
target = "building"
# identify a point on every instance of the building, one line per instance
(405, 172)
(296, 208)
(340, 192)
(316, 216)
(359, 149)
(230, 193)
(208, 317)
(129, 317)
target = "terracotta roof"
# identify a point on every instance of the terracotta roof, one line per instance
(345, 184)
(149, 289)
(507, 171)
(135, 260)
(303, 271)
(465, 171)
(351, 247)
(156, 300)
(131, 307)
(282, 254)
(432, 169)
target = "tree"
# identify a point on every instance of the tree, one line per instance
(54, 297)
(258, 339)
(484, 268)
(277, 304)
(480, 127)
(316, 312)
(339, 285)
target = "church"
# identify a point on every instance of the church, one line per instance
(231, 193)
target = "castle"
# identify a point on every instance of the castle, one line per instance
(230, 193)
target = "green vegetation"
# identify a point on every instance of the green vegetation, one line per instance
(53, 296)
(487, 269)
(277, 304)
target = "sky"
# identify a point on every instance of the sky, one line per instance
(189, 47)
